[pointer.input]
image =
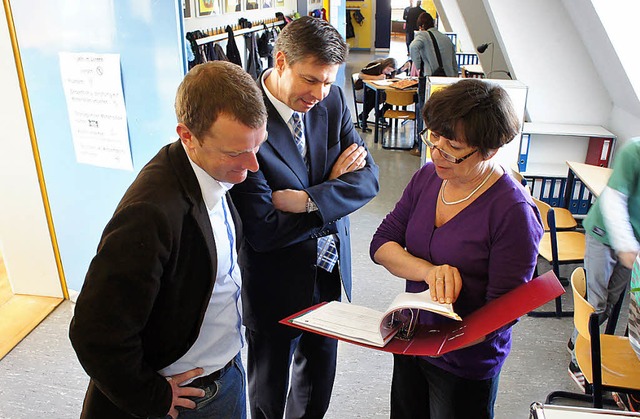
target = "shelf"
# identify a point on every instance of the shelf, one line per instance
(559, 170)
(567, 129)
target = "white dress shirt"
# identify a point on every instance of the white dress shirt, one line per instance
(220, 337)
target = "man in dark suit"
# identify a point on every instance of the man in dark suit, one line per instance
(411, 22)
(160, 305)
(314, 172)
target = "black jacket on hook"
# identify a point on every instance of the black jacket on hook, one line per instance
(233, 54)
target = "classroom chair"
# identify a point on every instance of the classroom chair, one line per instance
(557, 248)
(607, 362)
(399, 101)
(563, 217)
(357, 98)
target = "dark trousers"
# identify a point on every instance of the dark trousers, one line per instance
(420, 390)
(311, 357)
(370, 102)
(410, 35)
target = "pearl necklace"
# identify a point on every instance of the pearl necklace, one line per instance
(444, 184)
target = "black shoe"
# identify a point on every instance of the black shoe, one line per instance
(362, 120)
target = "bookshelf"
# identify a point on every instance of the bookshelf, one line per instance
(544, 150)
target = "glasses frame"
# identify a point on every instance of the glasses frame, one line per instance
(447, 156)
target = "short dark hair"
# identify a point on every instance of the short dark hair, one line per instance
(214, 88)
(475, 112)
(425, 21)
(311, 37)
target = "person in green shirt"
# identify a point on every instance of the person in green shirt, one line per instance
(612, 230)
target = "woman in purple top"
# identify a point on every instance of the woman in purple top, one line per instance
(468, 232)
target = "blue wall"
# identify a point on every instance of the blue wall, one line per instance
(148, 37)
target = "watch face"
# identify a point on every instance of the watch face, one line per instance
(311, 206)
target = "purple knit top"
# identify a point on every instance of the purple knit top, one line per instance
(494, 244)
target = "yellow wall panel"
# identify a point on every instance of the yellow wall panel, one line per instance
(363, 38)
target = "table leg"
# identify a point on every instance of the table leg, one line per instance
(568, 191)
(376, 115)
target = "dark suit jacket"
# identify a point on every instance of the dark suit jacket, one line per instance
(146, 291)
(279, 252)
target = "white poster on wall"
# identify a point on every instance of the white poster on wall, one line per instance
(92, 86)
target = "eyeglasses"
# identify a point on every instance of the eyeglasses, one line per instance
(424, 134)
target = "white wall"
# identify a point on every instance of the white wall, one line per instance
(480, 25)
(453, 21)
(578, 57)
(547, 54)
(605, 32)
(24, 238)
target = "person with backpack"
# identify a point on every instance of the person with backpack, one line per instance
(424, 52)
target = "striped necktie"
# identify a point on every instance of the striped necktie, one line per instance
(298, 134)
(327, 249)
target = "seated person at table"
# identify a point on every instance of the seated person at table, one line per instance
(380, 69)
(468, 232)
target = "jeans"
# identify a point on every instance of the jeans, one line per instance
(606, 277)
(224, 399)
(606, 280)
(422, 390)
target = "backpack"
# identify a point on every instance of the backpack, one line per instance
(266, 41)
(440, 70)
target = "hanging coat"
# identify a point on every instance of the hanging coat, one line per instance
(254, 63)
(350, 31)
(233, 54)
(220, 52)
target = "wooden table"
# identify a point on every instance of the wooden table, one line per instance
(595, 178)
(380, 86)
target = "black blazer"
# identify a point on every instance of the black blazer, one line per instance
(146, 290)
(278, 259)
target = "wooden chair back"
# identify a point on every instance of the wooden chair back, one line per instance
(544, 209)
(581, 308)
(399, 97)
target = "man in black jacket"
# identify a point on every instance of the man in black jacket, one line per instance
(157, 323)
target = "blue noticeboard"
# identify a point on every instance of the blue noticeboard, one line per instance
(148, 37)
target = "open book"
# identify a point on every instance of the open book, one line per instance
(368, 326)
(436, 340)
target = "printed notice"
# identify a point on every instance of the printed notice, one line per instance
(93, 88)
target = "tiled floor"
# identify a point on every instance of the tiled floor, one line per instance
(42, 378)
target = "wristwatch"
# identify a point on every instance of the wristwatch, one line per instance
(311, 206)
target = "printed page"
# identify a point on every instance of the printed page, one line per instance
(387, 82)
(348, 321)
(423, 301)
